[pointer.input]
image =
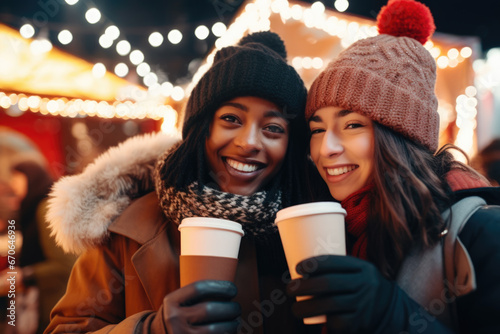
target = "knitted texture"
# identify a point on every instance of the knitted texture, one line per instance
(254, 213)
(357, 206)
(255, 67)
(389, 78)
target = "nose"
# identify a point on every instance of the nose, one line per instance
(331, 145)
(249, 139)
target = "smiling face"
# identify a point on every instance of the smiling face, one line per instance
(342, 147)
(247, 143)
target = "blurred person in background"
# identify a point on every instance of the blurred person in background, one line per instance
(42, 268)
(487, 161)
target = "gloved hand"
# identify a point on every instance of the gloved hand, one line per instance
(351, 292)
(201, 307)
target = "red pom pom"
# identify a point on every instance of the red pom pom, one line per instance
(406, 18)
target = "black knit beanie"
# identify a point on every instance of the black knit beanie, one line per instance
(255, 67)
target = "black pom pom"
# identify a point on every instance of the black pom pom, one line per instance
(267, 38)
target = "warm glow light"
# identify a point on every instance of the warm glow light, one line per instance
(453, 53)
(166, 89)
(27, 31)
(150, 79)
(174, 36)
(442, 62)
(218, 29)
(317, 63)
(113, 32)
(466, 52)
(99, 70)
(136, 57)
(121, 70)
(65, 37)
(123, 47)
(297, 63)
(93, 15)
(105, 41)
(201, 32)
(318, 7)
(155, 39)
(143, 69)
(40, 46)
(341, 5)
(177, 93)
(435, 52)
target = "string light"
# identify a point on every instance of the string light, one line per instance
(65, 37)
(112, 32)
(93, 15)
(27, 31)
(201, 32)
(466, 120)
(121, 69)
(123, 47)
(73, 107)
(136, 57)
(99, 70)
(155, 39)
(174, 36)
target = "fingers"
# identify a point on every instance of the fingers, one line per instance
(211, 312)
(329, 263)
(331, 284)
(203, 290)
(341, 305)
(228, 327)
(201, 307)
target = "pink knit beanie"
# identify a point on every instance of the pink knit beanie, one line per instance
(389, 78)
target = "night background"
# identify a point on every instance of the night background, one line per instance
(137, 19)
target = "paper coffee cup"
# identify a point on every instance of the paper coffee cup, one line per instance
(309, 230)
(209, 249)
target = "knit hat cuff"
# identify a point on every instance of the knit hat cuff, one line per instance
(360, 90)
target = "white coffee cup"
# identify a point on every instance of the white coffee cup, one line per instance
(209, 249)
(309, 230)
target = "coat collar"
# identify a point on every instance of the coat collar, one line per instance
(144, 222)
(81, 207)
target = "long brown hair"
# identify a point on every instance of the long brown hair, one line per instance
(410, 194)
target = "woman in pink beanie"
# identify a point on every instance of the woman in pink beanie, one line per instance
(422, 237)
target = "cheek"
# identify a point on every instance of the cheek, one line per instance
(314, 147)
(277, 149)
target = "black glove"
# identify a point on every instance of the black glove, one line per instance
(356, 298)
(201, 307)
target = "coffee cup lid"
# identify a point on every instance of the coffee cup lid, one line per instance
(307, 209)
(209, 222)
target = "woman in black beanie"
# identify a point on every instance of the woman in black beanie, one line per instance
(242, 158)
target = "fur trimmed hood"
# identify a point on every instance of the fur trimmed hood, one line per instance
(81, 207)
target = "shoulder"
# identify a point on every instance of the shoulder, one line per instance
(479, 310)
(482, 229)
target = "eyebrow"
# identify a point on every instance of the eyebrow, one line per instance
(242, 107)
(341, 113)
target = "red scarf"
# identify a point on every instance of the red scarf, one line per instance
(357, 205)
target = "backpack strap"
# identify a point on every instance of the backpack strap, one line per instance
(434, 277)
(459, 277)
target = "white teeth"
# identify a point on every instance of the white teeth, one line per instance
(241, 166)
(339, 171)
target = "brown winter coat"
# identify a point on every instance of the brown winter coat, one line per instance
(118, 286)
(129, 252)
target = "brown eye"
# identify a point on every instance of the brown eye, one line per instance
(274, 129)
